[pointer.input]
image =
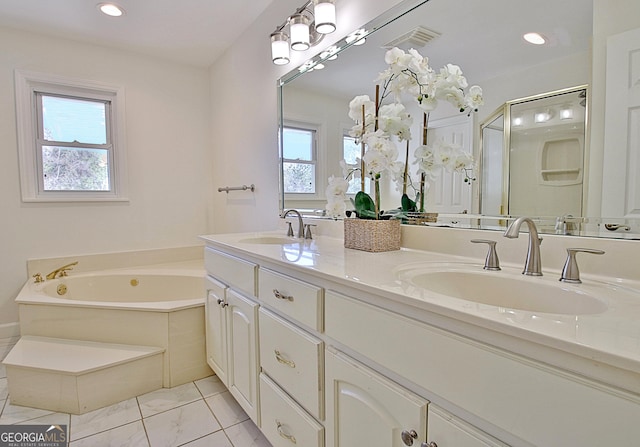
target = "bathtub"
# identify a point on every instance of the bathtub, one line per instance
(144, 306)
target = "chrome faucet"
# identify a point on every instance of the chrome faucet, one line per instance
(300, 222)
(61, 271)
(532, 265)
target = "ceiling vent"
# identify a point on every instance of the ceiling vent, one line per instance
(416, 38)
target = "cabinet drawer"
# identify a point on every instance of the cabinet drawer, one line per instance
(284, 423)
(299, 300)
(230, 270)
(293, 359)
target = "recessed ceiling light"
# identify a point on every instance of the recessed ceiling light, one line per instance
(535, 38)
(111, 9)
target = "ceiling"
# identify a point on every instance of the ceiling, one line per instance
(193, 32)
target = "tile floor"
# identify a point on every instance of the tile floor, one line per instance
(197, 414)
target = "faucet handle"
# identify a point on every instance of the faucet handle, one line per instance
(37, 278)
(307, 231)
(570, 271)
(289, 230)
(492, 262)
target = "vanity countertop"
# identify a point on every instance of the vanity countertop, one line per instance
(601, 341)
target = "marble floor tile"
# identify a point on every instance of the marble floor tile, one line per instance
(226, 409)
(14, 414)
(246, 434)
(104, 419)
(180, 425)
(50, 419)
(217, 439)
(167, 398)
(210, 385)
(129, 435)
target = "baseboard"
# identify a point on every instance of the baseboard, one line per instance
(9, 330)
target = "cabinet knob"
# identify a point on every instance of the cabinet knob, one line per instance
(283, 434)
(281, 359)
(408, 436)
(222, 303)
(282, 296)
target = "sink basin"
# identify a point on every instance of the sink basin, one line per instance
(270, 240)
(510, 291)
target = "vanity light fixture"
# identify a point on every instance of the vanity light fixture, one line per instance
(535, 38)
(325, 13)
(330, 54)
(300, 36)
(357, 37)
(111, 9)
(566, 113)
(541, 116)
(307, 26)
(280, 48)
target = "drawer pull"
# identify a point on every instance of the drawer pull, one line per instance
(282, 296)
(284, 435)
(281, 359)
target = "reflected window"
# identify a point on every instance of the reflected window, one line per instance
(299, 159)
(351, 153)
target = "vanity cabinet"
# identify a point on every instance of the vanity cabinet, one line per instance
(231, 327)
(320, 361)
(365, 408)
(216, 327)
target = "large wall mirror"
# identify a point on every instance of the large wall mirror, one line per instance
(486, 42)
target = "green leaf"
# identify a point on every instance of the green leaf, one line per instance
(407, 203)
(365, 206)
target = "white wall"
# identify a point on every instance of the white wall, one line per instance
(167, 120)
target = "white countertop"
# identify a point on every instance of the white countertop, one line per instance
(610, 338)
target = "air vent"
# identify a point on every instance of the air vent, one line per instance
(416, 38)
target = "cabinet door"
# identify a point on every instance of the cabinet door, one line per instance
(216, 328)
(446, 430)
(242, 314)
(364, 408)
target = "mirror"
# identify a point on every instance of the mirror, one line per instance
(486, 42)
(532, 155)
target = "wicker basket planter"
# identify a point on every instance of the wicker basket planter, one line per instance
(372, 235)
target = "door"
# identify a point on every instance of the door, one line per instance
(364, 408)
(242, 314)
(216, 328)
(449, 193)
(621, 164)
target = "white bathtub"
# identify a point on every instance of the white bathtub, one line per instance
(139, 306)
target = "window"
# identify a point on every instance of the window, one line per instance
(70, 139)
(299, 159)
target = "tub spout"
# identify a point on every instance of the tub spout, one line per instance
(61, 271)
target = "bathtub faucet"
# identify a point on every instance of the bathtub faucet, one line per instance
(61, 271)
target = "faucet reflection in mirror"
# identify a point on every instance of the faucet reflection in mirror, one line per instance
(379, 126)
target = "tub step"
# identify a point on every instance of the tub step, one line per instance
(73, 376)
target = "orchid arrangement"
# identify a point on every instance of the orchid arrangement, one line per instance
(379, 127)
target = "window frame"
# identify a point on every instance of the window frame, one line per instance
(315, 129)
(28, 115)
